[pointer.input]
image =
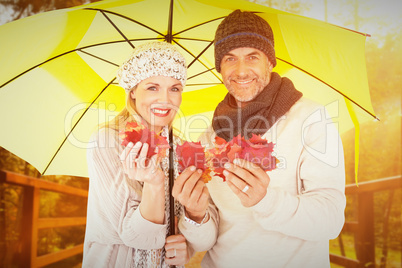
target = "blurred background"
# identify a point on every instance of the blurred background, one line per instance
(380, 141)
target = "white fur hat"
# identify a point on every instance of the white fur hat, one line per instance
(152, 59)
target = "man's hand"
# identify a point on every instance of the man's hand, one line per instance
(247, 180)
(190, 190)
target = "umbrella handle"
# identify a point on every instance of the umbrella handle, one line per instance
(171, 181)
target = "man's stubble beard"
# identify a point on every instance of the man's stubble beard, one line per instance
(259, 86)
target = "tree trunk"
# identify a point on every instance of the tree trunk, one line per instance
(3, 247)
(356, 16)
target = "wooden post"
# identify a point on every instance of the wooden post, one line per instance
(31, 223)
(35, 217)
(365, 243)
(29, 232)
(26, 230)
(3, 243)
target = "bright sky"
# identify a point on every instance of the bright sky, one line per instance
(378, 18)
(5, 14)
(387, 10)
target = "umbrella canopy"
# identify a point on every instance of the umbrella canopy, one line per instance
(58, 70)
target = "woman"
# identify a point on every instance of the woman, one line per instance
(127, 216)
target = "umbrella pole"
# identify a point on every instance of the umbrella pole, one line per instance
(169, 39)
(171, 181)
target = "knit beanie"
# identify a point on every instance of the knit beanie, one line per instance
(152, 59)
(243, 29)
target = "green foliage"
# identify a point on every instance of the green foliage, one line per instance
(55, 239)
(394, 227)
(24, 8)
(51, 205)
(380, 142)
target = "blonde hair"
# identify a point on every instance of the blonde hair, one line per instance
(126, 115)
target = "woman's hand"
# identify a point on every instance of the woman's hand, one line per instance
(190, 190)
(176, 250)
(138, 167)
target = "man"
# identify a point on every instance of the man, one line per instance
(280, 218)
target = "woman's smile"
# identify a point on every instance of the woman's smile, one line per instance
(160, 112)
(157, 99)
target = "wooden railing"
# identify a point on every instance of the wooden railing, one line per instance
(363, 228)
(364, 232)
(30, 206)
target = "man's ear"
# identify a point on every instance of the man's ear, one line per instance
(270, 66)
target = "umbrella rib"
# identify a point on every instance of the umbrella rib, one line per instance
(204, 84)
(117, 29)
(198, 25)
(345, 96)
(199, 55)
(200, 73)
(198, 59)
(76, 123)
(24, 72)
(353, 31)
(99, 58)
(68, 52)
(127, 18)
(193, 39)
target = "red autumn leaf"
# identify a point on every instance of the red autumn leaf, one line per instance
(260, 154)
(135, 132)
(220, 141)
(132, 133)
(256, 150)
(237, 140)
(256, 139)
(234, 152)
(192, 154)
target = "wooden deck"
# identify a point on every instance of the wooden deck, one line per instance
(363, 228)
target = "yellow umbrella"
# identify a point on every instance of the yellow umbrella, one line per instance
(58, 70)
